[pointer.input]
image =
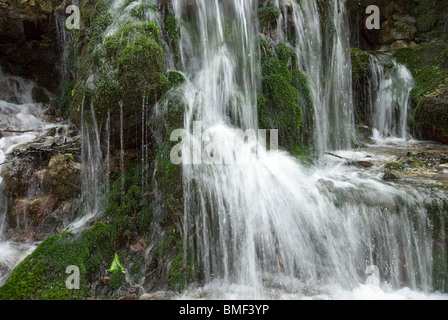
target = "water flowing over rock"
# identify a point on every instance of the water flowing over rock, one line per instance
(234, 149)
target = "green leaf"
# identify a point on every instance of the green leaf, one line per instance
(116, 265)
(70, 156)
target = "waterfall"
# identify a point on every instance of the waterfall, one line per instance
(390, 86)
(18, 113)
(259, 220)
(325, 59)
(93, 175)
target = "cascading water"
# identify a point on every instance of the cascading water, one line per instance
(21, 122)
(324, 58)
(390, 87)
(263, 225)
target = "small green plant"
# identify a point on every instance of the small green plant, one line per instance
(116, 265)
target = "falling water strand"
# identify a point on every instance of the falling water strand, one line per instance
(121, 149)
(390, 86)
(324, 57)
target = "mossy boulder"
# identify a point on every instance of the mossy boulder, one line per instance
(285, 94)
(432, 19)
(268, 15)
(63, 176)
(121, 67)
(360, 84)
(428, 64)
(432, 113)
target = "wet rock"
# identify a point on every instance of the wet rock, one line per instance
(17, 177)
(364, 132)
(361, 164)
(432, 114)
(394, 165)
(28, 38)
(129, 297)
(138, 246)
(28, 214)
(40, 95)
(443, 159)
(55, 222)
(325, 185)
(63, 176)
(23, 168)
(389, 176)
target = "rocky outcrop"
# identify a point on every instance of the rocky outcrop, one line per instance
(397, 25)
(29, 41)
(28, 215)
(432, 114)
(63, 176)
(428, 64)
(42, 182)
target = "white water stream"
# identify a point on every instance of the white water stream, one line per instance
(265, 226)
(21, 122)
(268, 228)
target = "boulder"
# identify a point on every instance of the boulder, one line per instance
(432, 114)
(29, 45)
(28, 214)
(63, 177)
(17, 177)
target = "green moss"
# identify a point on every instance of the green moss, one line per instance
(431, 18)
(276, 66)
(42, 276)
(285, 102)
(415, 162)
(264, 50)
(181, 273)
(268, 15)
(143, 9)
(281, 110)
(127, 66)
(173, 31)
(170, 180)
(285, 54)
(171, 240)
(393, 165)
(175, 79)
(428, 64)
(116, 281)
(360, 64)
(433, 112)
(300, 82)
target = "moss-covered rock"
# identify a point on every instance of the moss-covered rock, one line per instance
(121, 66)
(170, 181)
(432, 19)
(432, 113)
(360, 84)
(428, 64)
(268, 15)
(126, 219)
(285, 102)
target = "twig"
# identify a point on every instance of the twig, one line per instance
(331, 154)
(20, 131)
